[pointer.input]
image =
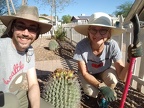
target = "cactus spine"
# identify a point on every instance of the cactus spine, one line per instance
(63, 89)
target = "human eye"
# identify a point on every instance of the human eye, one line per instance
(32, 29)
(103, 31)
(93, 31)
(20, 26)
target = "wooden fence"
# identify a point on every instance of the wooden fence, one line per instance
(123, 40)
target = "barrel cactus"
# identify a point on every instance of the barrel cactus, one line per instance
(53, 45)
(62, 89)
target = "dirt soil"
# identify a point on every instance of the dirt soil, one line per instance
(134, 99)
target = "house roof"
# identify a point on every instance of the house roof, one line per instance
(84, 17)
(80, 18)
(47, 18)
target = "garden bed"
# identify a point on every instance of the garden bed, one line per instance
(135, 99)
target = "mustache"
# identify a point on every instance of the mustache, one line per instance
(25, 37)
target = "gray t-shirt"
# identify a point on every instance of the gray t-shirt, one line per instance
(96, 64)
(13, 65)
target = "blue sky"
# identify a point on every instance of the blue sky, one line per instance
(79, 7)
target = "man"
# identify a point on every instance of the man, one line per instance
(17, 58)
(95, 55)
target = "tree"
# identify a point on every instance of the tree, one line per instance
(56, 5)
(44, 15)
(123, 9)
(66, 19)
(4, 8)
(24, 2)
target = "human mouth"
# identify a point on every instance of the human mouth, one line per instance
(24, 40)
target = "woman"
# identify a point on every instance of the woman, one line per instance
(95, 55)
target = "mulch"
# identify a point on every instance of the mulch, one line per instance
(135, 99)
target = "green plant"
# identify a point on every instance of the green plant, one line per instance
(60, 33)
(63, 89)
(53, 45)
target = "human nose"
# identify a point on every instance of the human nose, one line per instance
(97, 33)
(26, 32)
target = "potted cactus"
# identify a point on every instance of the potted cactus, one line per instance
(62, 89)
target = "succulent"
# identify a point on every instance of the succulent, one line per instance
(63, 89)
(60, 34)
(53, 45)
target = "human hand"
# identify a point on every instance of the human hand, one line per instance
(108, 93)
(135, 51)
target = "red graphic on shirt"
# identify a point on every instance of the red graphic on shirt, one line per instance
(16, 68)
(97, 65)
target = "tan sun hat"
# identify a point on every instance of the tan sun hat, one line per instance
(99, 19)
(28, 13)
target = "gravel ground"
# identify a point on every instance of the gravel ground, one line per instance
(42, 52)
(134, 99)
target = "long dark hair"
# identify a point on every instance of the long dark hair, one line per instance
(8, 32)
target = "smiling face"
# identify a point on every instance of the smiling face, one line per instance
(24, 33)
(98, 35)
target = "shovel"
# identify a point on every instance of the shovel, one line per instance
(136, 27)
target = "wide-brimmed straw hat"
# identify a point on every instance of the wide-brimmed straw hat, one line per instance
(28, 13)
(99, 19)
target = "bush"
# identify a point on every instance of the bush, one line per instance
(60, 33)
(53, 45)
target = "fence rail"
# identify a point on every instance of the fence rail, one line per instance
(123, 41)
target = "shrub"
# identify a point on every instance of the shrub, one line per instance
(53, 45)
(60, 33)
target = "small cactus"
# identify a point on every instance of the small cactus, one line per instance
(63, 89)
(53, 45)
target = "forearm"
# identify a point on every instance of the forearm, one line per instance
(34, 96)
(91, 79)
(124, 72)
(88, 77)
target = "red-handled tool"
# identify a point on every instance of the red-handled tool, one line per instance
(136, 27)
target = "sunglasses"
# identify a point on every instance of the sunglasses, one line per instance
(101, 31)
(22, 27)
